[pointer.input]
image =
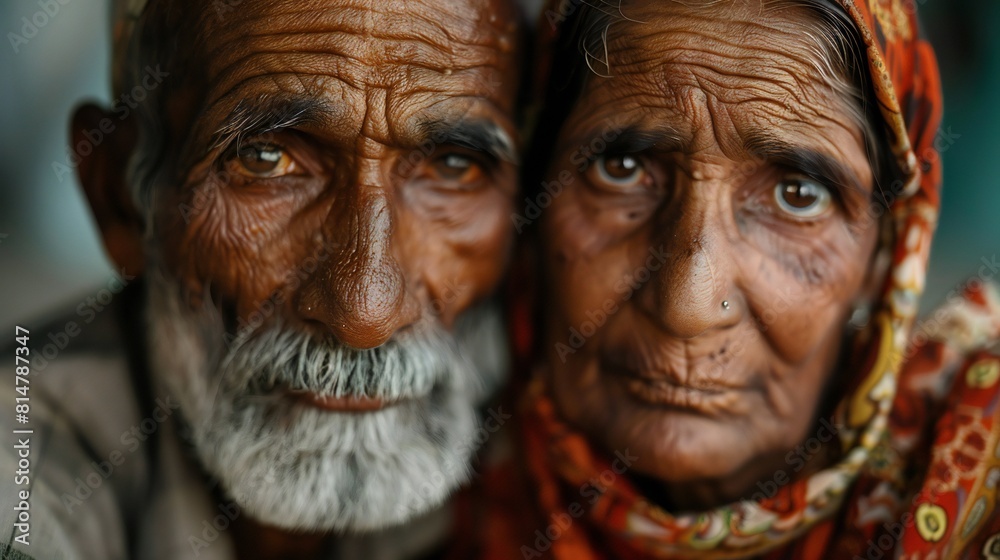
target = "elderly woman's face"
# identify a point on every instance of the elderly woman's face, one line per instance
(702, 267)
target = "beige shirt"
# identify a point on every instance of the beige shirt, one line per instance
(108, 476)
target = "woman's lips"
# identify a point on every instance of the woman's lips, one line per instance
(341, 404)
(664, 393)
(662, 390)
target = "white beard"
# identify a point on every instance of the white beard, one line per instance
(295, 466)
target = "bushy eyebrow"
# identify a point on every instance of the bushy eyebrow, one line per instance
(474, 134)
(635, 140)
(263, 115)
(814, 164)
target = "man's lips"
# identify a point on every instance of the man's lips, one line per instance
(341, 404)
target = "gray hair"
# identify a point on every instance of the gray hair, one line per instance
(156, 40)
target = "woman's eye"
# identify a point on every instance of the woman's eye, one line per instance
(457, 168)
(617, 171)
(261, 160)
(802, 198)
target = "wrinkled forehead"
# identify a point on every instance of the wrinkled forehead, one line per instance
(761, 23)
(364, 42)
(462, 21)
(401, 46)
(757, 63)
(407, 60)
(436, 35)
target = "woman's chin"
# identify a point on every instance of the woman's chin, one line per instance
(726, 440)
(677, 447)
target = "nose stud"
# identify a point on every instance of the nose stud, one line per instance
(725, 304)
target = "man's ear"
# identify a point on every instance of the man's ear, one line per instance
(102, 176)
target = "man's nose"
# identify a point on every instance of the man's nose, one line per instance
(695, 290)
(360, 292)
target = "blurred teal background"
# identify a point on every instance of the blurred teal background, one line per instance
(965, 36)
(49, 251)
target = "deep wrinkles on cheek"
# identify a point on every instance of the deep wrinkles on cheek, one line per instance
(200, 240)
(218, 249)
(778, 394)
(782, 392)
(815, 267)
(571, 230)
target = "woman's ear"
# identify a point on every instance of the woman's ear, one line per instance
(102, 175)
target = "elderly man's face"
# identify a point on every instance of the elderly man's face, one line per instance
(336, 207)
(702, 270)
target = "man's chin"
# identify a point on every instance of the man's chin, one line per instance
(297, 466)
(316, 465)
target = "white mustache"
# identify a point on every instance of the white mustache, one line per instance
(300, 467)
(410, 365)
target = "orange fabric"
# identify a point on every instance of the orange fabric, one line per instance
(917, 428)
(926, 489)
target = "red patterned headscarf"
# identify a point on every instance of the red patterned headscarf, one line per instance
(918, 429)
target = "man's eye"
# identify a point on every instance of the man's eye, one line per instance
(617, 172)
(456, 167)
(262, 160)
(802, 198)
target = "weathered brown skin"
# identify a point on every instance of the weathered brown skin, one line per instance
(403, 246)
(718, 76)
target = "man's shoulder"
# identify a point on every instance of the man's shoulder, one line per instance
(81, 325)
(73, 410)
(79, 374)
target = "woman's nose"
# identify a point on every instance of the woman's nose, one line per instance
(360, 293)
(695, 290)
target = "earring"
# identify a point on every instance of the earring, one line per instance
(725, 305)
(860, 316)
